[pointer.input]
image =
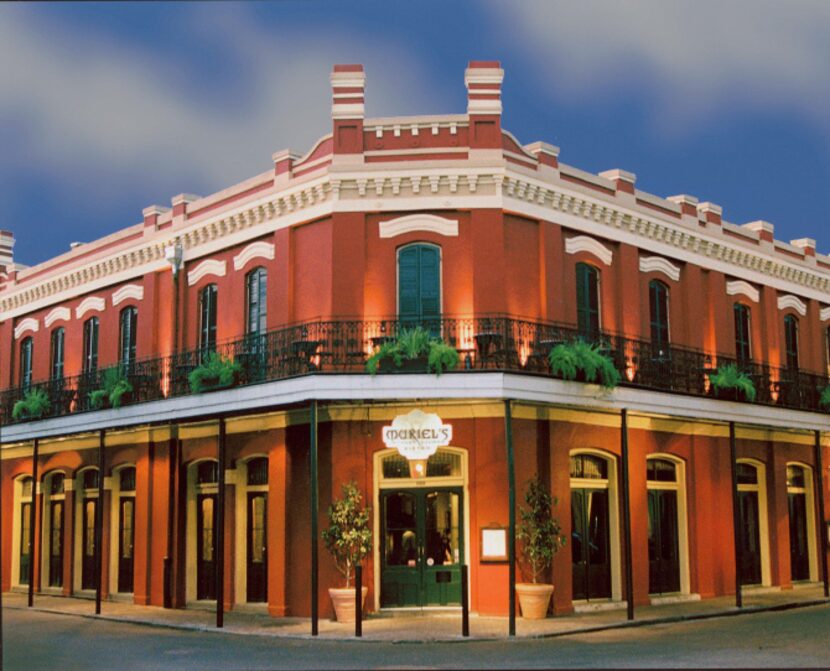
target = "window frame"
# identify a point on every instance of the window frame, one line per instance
(256, 301)
(57, 346)
(659, 321)
(208, 301)
(791, 342)
(27, 349)
(90, 343)
(127, 328)
(742, 320)
(588, 278)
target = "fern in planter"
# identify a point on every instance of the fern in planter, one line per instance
(34, 405)
(217, 372)
(115, 389)
(824, 400)
(579, 360)
(730, 382)
(412, 345)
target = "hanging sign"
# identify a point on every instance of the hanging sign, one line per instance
(417, 435)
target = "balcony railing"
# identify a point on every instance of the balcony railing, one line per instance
(487, 343)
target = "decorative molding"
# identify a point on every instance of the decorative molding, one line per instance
(28, 324)
(790, 301)
(421, 223)
(255, 250)
(824, 314)
(582, 243)
(131, 291)
(205, 268)
(92, 303)
(735, 287)
(657, 264)
(58, 314)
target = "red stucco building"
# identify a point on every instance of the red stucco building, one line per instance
(300, 273)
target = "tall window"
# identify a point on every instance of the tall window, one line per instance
(587, 301)
(791, 341)
(90, 362)
(56, 362)
(207, 318)
(128, 324)
(658, 299)
(419, 283)
(743, 340)
(26, 349)
(256, 283)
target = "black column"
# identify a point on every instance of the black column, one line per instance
(220, 528)
(312, 421)
(172, 474)
(626, 506)
(822, 525)
(99, 523)
(736, 516)
(511, 525)
(32, 520)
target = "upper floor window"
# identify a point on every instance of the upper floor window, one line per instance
(587, 301)
(791, 341)
(658, 300)
(128, 330)
(256, 283)
(743, 341)
(827, 347)
(90, 362)
(419, 282)
(26, 350)
(207, 318)
(57, 353)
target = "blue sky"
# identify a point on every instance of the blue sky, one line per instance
(108, 108)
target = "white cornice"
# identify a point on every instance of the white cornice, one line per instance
(790, 301)
(256, 250)
(91, 303)
(29, 324)
(582, 243)
(418, 223)
(657, 264)
(58, 314)
(735, 287)
(205, 268)
(131, 291)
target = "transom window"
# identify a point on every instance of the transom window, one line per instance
(90, 479)
(258, 471)
(129, 329)
(58, 339)
(207, 472)
(26, 487)
(56, 485)
(587, 466)
(791, 341)
(26, 349)
(658, 298)
(207, 318)
(743, 341)
(661, 470)
(440, 465)
(587, 301)
(127, 479)
(90, 362)
(747, 474)
(795, 477)
(256, 283)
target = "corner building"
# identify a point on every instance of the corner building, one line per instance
(300, 273)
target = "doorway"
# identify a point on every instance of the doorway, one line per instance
(802, 523)
(753, 534)
(667, 540)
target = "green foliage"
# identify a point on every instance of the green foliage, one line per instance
(539, 531)
(34, 405)
(568, 360)
(114, 386)
(824, 401)
(217, 372)
(412, 344)
(730, 378)
(349, 536)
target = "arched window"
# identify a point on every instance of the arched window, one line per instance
(90, 362)
(129, 327)
(256, 283)
(26, 350)
(587, 301)
(207, 318)
(743, 340)
(58, 339)
(791, 341)
(419, 283)
(658, 300)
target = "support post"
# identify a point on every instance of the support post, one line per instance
(358, 600)
(99, 523)
(32, 519)
(822, 525)
(511, 503)
(736, 517)
(172, 474)
(626, 505)
(465, 598)
(220, 529)
(314, 513)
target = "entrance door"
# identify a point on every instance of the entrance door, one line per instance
(25, 555)
(663, 547)
(422, 549)
(56, 544)
(590, 544)
(126, 538)
(750, 538)
(257, 548)
(205, 546)
(799, 549)
(88, 544)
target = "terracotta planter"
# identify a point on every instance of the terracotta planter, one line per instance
(534, 599)
(343, 600)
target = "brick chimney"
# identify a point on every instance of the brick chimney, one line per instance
(483, 80)
(151, 216)
(348, 85)
(6, 250)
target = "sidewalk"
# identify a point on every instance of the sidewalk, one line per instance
(424, 626)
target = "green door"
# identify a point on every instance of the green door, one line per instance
(423, 548)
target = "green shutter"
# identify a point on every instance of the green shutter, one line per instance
(419, 282)
(408, 283)
(430, 282)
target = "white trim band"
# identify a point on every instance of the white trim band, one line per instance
(427, 223)
(735, 287)
(205, 268)
(58, 314)
(657, 264)
(582, 243)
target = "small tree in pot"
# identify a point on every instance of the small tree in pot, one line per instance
(349, 539)
(541, 537)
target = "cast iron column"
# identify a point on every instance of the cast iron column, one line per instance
(32, 519)
(314, 510)
(220, 529)
(99, 523)
(511, 503)
(822, 525)
(172, 471)
(626, 504)
(736, 516)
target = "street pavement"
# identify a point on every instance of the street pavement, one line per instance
(793, 638)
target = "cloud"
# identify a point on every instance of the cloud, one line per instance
(689, 59)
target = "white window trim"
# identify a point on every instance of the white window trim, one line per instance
(809, 493)
(763, 516)
(241, 531)
(115, 536)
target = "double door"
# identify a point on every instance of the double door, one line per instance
(590, 544)
(749, 538)
(663, 542)
(423, 550)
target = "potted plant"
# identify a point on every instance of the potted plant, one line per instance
(216, 372)
(414, 349)
(114, 391)
(349, 539)
(824, 399)
(34, 405)
(541, 537)
(579, 360)
(730, 383)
